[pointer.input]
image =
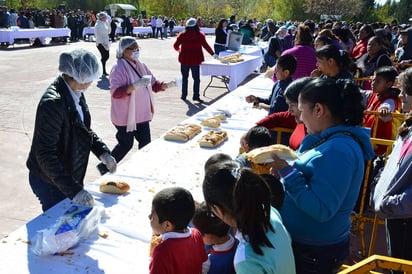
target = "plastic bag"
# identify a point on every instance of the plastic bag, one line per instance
(77, 223)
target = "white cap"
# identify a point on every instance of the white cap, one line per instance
(81, 65)
(191, 22)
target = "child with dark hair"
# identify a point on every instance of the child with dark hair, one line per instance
(385, 99)
(216, 158)
(216, 234)
(285, 67)
(241, 199)
(182, 248)
(256, 137)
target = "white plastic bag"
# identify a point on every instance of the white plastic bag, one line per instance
(77, 223)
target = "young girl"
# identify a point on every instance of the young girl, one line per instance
(241, 199)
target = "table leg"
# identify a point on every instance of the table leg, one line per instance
(223, 78)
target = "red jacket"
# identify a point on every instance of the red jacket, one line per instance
(360, 48)
(189, 45)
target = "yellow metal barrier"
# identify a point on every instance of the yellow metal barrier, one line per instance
(378, 261)
(279, 131)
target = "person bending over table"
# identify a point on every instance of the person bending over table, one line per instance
(291, 117)
(285, 67)
(131, 86)
(322, 185)
(63, 138)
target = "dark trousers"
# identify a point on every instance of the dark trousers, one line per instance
(219, 48)
(105, 56)
(320, 259)
(113, 27)
(399, 238)
(154, 31)
(161, 32)
(125, 139)
(47, 193)
(196, 80)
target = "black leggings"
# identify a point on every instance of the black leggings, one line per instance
(105, 56)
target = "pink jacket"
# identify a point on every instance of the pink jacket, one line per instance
(119, 81)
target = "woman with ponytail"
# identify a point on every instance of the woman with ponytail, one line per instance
(322, 185)
(332, 62)
(241, 199)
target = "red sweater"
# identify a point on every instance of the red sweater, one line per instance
(360, 48)
(286, 120)
(179, 255)
(384, 129)
(189, 45)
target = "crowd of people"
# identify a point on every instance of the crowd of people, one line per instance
(287, 217)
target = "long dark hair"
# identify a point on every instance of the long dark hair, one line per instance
(245, 196)
(342, 97)
(340, 56)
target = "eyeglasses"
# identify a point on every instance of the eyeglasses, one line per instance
(133, 49)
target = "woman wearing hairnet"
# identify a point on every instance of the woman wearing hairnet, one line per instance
(62, 138)
(101, 31)
(131, 86)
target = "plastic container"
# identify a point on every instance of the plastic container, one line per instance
(77, 223)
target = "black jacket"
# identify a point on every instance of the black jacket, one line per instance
(61, 141)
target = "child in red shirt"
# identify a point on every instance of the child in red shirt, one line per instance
(181, 249)
(385, 99)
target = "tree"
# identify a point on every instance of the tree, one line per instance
(334, 7)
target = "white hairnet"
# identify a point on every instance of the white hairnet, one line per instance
(124, 43)
(100, 15)
(81, 65)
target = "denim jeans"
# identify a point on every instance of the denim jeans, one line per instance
(399, 238)
(219, 48)
(320, 259)
(125, 139)
(47, 193)
(196, 80)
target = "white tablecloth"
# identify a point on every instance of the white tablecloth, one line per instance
(8, 35)
(160, 164)
(237, 72)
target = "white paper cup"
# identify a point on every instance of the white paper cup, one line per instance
(147, 78)
(179, 82)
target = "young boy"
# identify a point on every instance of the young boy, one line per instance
(216, 234)
(182, 248)
(256, 136)
(385, 99)
(285, 67)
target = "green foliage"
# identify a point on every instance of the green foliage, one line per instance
(352, 10)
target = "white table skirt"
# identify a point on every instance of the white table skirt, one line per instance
(8, 35)
(158, 165)
(237, 72)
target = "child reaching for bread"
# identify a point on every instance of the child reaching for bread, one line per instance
(181, 249)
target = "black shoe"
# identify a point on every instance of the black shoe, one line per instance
(183, 98)
(102, 169)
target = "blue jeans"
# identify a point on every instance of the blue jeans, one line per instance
(219, 48)
(47, 193)
(399, 237)
(125, 139)
(196, 80)
(320, 259)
